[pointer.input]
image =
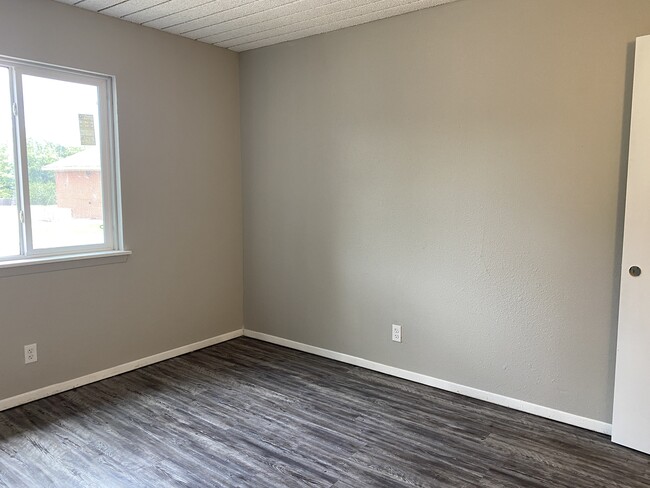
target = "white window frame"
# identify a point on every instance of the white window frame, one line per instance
(111, 203)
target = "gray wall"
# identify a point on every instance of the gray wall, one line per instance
(178, 104)
(458, 170)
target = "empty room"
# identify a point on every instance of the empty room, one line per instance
(324, 243)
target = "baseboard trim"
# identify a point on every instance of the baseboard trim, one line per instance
(46, 391)
(532, 408)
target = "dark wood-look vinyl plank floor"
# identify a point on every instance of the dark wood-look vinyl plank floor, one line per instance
(250, 414)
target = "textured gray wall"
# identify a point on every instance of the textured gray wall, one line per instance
(178, 104)
(458, 170)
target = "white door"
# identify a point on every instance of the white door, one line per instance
(631, 420)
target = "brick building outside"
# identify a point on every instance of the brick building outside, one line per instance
(78, 183)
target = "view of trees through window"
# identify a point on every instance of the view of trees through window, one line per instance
(42, 186)
(7, 179)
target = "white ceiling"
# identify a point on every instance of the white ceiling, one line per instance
(241, 25)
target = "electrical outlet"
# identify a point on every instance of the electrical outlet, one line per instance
(397, 333)
(30, 354)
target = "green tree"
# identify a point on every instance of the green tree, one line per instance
(7, 180)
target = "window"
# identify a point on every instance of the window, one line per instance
(58, 172)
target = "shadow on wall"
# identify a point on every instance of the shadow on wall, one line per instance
(620, 214)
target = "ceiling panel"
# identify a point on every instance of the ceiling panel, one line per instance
(131, 7)
(241, 25)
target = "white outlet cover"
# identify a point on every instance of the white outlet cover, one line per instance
(396, 333)
(31, 354)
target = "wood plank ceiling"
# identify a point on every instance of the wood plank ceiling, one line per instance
(241, 25)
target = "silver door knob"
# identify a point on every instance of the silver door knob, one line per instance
(635, 271)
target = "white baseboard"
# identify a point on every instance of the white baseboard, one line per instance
(532, 408)
(46, 391)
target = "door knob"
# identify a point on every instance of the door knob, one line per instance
(635, 271)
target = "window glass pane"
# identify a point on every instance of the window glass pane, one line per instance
(9, 223)
(63, 160)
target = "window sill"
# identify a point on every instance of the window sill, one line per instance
(56, 263)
